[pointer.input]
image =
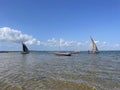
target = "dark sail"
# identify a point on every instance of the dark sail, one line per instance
(25, 49)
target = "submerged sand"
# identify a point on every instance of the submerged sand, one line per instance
(45, 85)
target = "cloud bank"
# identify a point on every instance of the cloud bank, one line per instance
(16, 36)
(86, 45)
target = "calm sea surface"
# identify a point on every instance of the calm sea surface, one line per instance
(46, 71)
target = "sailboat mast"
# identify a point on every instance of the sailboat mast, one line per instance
(60, 45)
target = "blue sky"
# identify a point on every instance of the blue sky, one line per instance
(72, 21)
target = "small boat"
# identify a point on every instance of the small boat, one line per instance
(63, 54)
(93, 47)
(25, 49)
(60, 53)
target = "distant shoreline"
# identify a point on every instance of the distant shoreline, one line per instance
(59, 51)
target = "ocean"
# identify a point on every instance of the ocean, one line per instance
(42, 70)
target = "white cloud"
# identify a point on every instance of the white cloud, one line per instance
(65, 45)
(96, 42)
(16, 36)
(72, 45)
(62, 43)
(103, 45)
(52, 42)
(117, 45)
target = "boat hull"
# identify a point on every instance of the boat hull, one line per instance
(24, 52)
(63, 54)
(93, 52)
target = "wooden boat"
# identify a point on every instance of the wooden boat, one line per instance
(60, 53)
(94, 49)
(25, 49)
(63, 54)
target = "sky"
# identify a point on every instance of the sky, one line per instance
(43, 24)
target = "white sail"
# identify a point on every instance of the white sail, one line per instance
(94, 48)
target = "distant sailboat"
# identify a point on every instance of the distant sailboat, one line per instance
(62, 53)
(93, 47)
(25, 49)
